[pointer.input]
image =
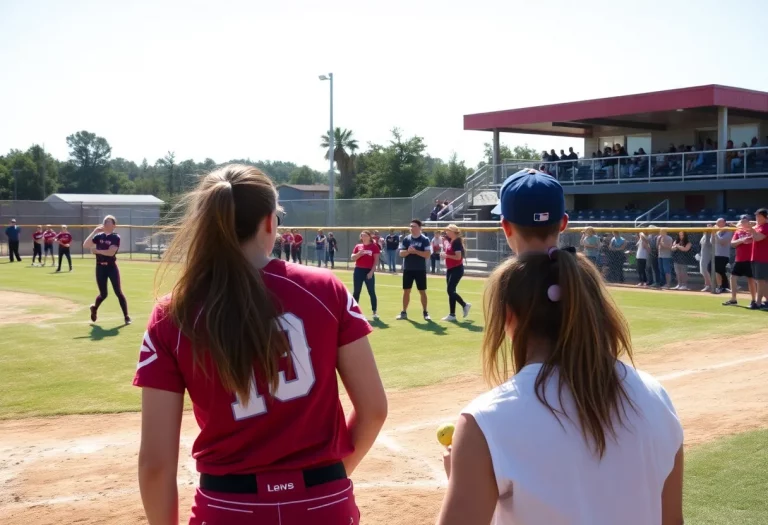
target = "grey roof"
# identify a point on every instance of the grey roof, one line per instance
(104, 199)
(308, 187)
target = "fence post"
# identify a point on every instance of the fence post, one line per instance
(130, 233)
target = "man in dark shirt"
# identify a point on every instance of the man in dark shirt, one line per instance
(415, 250)
(12, 232)
(393, 243)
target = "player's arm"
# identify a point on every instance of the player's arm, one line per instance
(358, 371)
(672, 494)
(356, 254)
(425, 253)
(472, 491)
(736, 241)
(88, 242)
(109, 252)
(404, 250)
(161, 412)
(757, 236)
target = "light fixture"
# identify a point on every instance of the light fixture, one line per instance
(323, 77)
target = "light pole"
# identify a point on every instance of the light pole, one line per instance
(331, 172)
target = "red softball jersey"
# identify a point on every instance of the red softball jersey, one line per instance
(49, 236)
(287, 238)
(760, 248)
(303, 424)
(298, 239)
(37, 236)
(64, 238)
(451, 248)
(366, 261)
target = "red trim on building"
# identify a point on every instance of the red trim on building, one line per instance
(657, 101)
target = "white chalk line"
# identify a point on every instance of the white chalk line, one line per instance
(385, 439)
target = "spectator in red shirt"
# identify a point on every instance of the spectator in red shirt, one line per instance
(760, 256)
(48, 237)
(256, 343)
(453, 254)
(296, 247)
(64, 238)
(366, 257)
(742, 241)
(37, 246)
(287, 242)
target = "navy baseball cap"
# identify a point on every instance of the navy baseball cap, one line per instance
(531, 198)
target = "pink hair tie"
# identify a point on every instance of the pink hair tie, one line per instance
(553, 293)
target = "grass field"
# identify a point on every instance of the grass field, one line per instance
(54, 362)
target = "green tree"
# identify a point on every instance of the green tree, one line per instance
(397, 170)
(26, 171)
(90, 155)
(169, 163)
(344, 148)
(6, 181)
(523, 152)
(306, 175)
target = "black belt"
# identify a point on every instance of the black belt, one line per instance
(246, 483)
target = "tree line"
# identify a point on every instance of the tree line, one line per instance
(399, 168)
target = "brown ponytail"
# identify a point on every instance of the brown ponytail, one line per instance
(560, 299)
(220, 301)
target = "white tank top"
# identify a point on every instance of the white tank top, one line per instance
(547, 474)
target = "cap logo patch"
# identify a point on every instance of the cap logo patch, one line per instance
(540, 217)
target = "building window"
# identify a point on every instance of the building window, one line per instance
(608, 142)
(742, 134)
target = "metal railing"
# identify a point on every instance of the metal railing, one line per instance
(657, 213)
(735, 163)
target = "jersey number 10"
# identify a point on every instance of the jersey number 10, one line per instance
(286, 390)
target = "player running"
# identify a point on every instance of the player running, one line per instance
(37, 246)
(453, 255)
(64, 238)
(104, 243)
(256, 343)
(48, 237)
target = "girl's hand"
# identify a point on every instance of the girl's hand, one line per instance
(98, 229)
(370, 275)
(447, 462)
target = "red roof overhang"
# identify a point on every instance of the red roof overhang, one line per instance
(577, 118)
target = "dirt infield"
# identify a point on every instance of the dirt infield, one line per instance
(27, 308)
(82, 469)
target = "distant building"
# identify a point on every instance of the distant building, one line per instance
(293, 192)
(127, 209)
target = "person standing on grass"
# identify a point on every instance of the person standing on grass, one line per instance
(12, 232)
(705, 260)
(454, 254)
(104, 243)
(681, 249)
(256, 344)
(643, 248)
(287, 242)
(435, 245)
(37, 246)
(664, 243)
(320, 245)
(64, 239)
(392, 243)
(760, 256)
(366, 256)
(414, 249)
(742, 267)
(722, 242)
(572, 435)
(616, 258)
(383, 250)
(298, 239)
(591, 243)
(48, 237)
(333, 247)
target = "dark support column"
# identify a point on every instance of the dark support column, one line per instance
(496, 157)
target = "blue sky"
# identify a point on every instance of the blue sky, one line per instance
(236, 79)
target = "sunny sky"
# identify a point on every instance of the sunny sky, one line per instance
(238, 79)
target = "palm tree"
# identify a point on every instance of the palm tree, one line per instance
(344, 147)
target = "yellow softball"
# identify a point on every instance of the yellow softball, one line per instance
(445, 434)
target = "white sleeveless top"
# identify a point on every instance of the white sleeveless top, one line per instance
(547, 474)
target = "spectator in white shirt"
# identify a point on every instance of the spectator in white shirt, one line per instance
(575, 436)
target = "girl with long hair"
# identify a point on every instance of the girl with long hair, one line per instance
(680, 258)
(256, 343)
(366, 257)
(575, 436)
(454, 254)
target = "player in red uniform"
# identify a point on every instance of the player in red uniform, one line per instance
(453, 255)
(48, 237)
(64, 238)
(298, 239)
(287, 244)
(37, 246)
(256, 343)
(366, 256)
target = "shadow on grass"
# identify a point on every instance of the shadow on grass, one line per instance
(428, 326)
(470, 326)
(378, 323)
(98, 333)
